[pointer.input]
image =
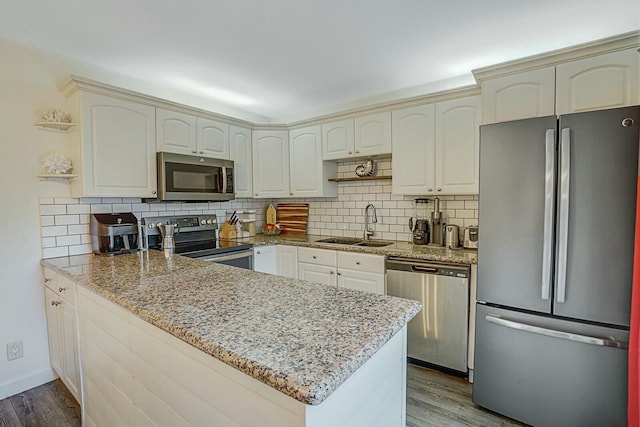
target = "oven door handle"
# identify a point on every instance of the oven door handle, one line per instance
(225, 257)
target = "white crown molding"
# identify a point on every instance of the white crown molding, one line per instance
(572, 53)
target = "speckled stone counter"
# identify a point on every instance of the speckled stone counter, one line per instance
(403, 249)
(300, 338)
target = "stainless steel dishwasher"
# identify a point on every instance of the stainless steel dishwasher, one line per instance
(438, 335)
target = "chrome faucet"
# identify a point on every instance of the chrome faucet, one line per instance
(368, 232)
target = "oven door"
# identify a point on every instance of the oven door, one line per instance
(241, 259)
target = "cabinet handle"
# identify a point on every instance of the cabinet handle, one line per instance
(357, 151)
(55, 303)
(202, 152)
(194, 151)
(314, 257)
(291, 194)
(61, 290)
(429, 190)
(47, 280)
(339, 274)
(350, 152)
(357, 262)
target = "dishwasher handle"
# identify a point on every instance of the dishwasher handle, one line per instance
(421, 269)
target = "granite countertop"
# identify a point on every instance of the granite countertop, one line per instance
(403, 249)
(301, 338)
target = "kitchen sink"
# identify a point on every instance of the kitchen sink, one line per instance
(355, 242)
(373, 243)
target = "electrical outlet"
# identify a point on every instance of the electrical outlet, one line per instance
(14, 350)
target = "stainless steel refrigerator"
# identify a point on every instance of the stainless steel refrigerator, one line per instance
(555, 260)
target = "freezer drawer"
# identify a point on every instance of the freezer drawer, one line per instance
(545, 380)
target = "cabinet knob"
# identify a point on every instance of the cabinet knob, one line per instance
(47, 280)
(429, 190)
(201, 160)
(194, 151)
(339, 274)
(357, 262)
(350, 152)
(55, 303)
(202, 152)
(61, 290)
(154, 192)
(357, 151)
(256, 194)
(439, 189)
(331, 272)
(314, 257)
(291, 194)
(258, 252)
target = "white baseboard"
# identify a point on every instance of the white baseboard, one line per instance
(26, 382)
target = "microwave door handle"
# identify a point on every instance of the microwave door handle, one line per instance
(224, 180)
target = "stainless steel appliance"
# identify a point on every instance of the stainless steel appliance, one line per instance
(451, 238)
(436, 237)
(197, 239)
(438, 335)
(554, 293)
(113, 234)
(182, 177)
(471, 237)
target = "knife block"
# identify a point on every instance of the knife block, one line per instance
(227, 231)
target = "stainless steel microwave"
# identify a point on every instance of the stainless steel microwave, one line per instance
(191, 178)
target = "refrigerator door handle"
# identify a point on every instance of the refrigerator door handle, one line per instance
(563, 220)
(583, 339)
(549, 186)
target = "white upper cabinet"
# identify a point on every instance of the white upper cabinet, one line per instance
(605, 81)
(519, 96)
(270, 151)
(413, 160)
(182, 133)
(457, 146)
(338, 139)
(373, 134)
(308, 173)
(363, 136)
(175, 132)
(435, 148)
(212, 138)
(114, 153)
(240, 153)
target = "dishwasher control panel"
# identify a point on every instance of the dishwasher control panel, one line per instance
(453, 272)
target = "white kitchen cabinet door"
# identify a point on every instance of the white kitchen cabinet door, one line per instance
(308, 173)
(54, 326)
(361, 281)
(414, 150)
(212, 138)
(457, 146)
(605, 81)
(338, 139)
(373, 134)
(114, 153)
(270, 151)
(240, 153)
(175, 132)
(69, 338)
(287, 259)
(265, 259)
(323, 274)
(519, 96)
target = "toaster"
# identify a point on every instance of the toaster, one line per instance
(471, 237)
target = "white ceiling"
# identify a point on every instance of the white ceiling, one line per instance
(288, 59)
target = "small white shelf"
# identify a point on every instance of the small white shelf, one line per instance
(55, 126)
(63, 176)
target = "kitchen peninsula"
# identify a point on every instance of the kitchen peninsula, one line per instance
(185, 342)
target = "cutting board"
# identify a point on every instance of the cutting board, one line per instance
(293, 217)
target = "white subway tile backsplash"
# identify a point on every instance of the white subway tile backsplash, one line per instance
(53, 209)
(60, 230)
(46, 221)
(101, 208)
(65, 201)
(79, 249)
(67, 219)
(67, 240)
(78, 209)
(78, 229)
(122, 207)
(48, 242)
(55, 252)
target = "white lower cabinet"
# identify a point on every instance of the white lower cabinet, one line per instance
(62, 330)
(264, 259)
(363, 272)
(287, 261)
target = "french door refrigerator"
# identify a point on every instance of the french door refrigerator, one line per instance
(555, 258)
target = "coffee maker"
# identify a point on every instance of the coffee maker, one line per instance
(420, 227)
(113, 234)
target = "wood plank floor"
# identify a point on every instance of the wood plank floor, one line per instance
(433, 399)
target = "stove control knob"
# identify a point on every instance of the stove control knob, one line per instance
(152, 225)
(209, 221)
(203, 222)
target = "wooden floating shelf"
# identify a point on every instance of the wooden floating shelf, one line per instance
(359, 178)
(55, 126)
